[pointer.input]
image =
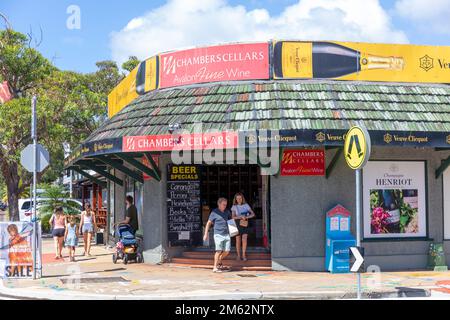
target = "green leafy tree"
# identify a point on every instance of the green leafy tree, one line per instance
(131, 63)
(70, 106)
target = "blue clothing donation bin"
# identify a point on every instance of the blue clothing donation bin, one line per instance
(338, 240)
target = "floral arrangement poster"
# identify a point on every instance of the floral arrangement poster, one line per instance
(394, 199)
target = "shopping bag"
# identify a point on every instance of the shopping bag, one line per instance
(232, 228)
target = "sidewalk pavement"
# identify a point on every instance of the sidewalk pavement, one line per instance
(96, 277)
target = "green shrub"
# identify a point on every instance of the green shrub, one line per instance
(45, 223)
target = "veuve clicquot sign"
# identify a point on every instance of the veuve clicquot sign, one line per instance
(361, 61)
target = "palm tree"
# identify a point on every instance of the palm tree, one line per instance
(55, 196)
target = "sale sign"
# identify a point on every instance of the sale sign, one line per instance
(303, 162)
(216, 63)
(169, 142)
(16, 255)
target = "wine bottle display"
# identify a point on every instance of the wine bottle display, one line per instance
(326, 60)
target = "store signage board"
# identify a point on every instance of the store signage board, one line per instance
(357, 147)
(303, 162)
(191, 141)
(184, 205)
(289, 60)
(231, 62)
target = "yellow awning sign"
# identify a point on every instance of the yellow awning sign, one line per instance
(357, 147)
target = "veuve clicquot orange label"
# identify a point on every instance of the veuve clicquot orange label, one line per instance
(326, 60)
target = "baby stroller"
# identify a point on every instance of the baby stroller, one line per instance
(127, 248)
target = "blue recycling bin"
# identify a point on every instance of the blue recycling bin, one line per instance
(338, 240)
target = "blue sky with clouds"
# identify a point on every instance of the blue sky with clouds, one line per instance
(116, 29)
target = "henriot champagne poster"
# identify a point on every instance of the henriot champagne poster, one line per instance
(394, 199)
(361, 61)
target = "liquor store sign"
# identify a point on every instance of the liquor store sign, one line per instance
(216, 63)
(303, 162)
(394, 199)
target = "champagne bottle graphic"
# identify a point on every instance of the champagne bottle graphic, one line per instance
(326, 60)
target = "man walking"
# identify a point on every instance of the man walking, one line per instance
(222, 240)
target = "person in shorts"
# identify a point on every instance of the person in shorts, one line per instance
(241, 212)
(218, 218)
(88, 227)
(59, 222)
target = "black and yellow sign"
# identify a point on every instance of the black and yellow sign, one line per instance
(183, 172)
(357, 147)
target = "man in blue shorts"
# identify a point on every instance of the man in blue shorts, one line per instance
(222, 240)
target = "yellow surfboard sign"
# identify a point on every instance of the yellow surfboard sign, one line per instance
(357, 147)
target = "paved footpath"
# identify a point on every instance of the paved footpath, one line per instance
(96, 277)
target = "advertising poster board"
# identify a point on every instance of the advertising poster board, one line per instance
(183, 205)
(303, 162)
(231, 62)
(361, 61)
(394, 199)
(16, 256)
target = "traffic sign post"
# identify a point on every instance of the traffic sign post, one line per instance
(357, 148)
(34, 158)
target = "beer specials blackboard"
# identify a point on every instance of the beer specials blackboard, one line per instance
(184, 205)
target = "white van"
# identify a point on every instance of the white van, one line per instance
(26, 209)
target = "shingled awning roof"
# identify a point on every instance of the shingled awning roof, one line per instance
(285, 105)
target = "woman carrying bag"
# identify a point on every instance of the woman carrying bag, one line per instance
(241, 212)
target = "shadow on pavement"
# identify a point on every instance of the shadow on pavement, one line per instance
(68, 275)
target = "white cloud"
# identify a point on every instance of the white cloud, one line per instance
(427, 15)
(187, 23)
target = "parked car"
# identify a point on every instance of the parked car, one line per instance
(26, 209)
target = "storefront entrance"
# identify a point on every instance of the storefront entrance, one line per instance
(225, 181)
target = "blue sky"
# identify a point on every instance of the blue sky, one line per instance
(115, 29)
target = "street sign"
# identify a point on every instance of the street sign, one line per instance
(357, 259)
(357, 147)
(26, 158)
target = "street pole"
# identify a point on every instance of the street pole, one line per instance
(358, 223)
(34, 137)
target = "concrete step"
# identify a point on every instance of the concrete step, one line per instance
(233, 268)
(231, 256)
(231, 262)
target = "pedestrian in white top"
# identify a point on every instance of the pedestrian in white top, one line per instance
(241, 212)
(88, 227)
